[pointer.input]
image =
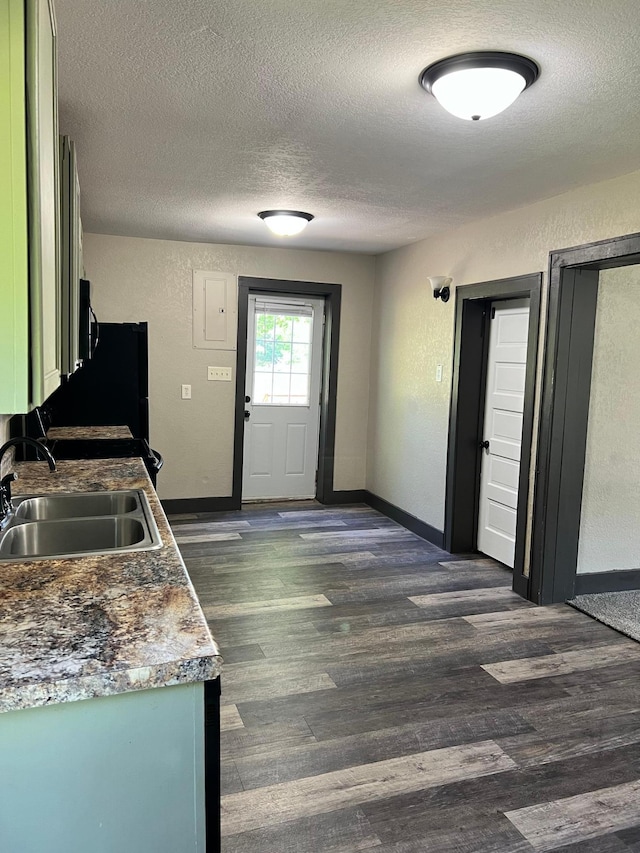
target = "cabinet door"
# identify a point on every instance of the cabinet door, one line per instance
(14, 272)
(71, 273)
(78, 269)
(44, 276)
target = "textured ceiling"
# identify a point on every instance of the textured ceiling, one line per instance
(191, 116)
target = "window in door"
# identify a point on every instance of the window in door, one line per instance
(282, 361)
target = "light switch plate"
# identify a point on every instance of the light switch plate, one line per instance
(219, 374)
(186, 392)
(439, 373)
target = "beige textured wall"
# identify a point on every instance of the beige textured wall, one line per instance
(136, 279)
(412, 333)
(609, 535)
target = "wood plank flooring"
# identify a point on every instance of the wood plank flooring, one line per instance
(379, 694)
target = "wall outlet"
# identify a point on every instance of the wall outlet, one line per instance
(439, 373)
(219, 374)
(186, 392)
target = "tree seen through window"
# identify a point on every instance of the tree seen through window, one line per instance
(282, 359)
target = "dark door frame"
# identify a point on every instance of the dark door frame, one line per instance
(471, 344)
(573, 293)
(332, 294)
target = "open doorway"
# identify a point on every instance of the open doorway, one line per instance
(609, 538)
(491, 421)
(305, 450)
(584, 522)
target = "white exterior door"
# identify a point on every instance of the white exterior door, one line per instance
(282, 416)
(506, 371)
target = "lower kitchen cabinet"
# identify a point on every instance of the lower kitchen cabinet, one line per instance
(135, 773)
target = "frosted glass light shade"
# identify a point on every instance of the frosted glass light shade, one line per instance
(439, 281)
(478, 93)
(475, 86)
(285, 223)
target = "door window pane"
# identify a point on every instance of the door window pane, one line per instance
(281, 383)
(302, 330)
(283, 328)
(264, 355)
(262, 388)
(282, 359)
(299, 389)
(264, 326)
(300, 358)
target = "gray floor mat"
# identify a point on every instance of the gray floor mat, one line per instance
(619, 610)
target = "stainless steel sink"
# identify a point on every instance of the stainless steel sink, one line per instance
(52, 507)
(50, 538)
(79, 524)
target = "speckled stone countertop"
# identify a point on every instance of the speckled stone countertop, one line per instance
(89, 432)
(96, 626)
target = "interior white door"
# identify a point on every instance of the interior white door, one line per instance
(506, 372)
(282, 416)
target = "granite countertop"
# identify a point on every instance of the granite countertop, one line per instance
(89, 432)
(95, 626)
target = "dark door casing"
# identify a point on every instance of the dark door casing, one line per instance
(573, 291)
(471, 342)
(332, 294)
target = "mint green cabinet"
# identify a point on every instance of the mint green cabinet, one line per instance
(14, 258)
(29, 218)
(117, 774)
(44, 183)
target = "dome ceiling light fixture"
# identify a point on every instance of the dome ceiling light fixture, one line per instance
(479, 85)
(285, 223)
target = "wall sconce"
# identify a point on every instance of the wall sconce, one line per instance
(440, 286)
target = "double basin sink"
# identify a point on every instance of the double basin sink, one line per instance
(79, 524)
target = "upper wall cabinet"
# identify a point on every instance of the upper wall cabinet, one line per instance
(44, 260)
(29, 229)
(71, 257)
(14, 258)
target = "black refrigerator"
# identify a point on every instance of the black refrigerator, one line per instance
(111, 389)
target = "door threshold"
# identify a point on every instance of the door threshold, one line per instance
(277, 500)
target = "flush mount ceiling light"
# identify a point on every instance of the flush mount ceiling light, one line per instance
(285, 223)
(479, 85)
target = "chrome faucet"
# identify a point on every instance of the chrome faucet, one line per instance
(6, 506)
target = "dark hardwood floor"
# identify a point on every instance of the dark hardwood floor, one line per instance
(380, 694)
